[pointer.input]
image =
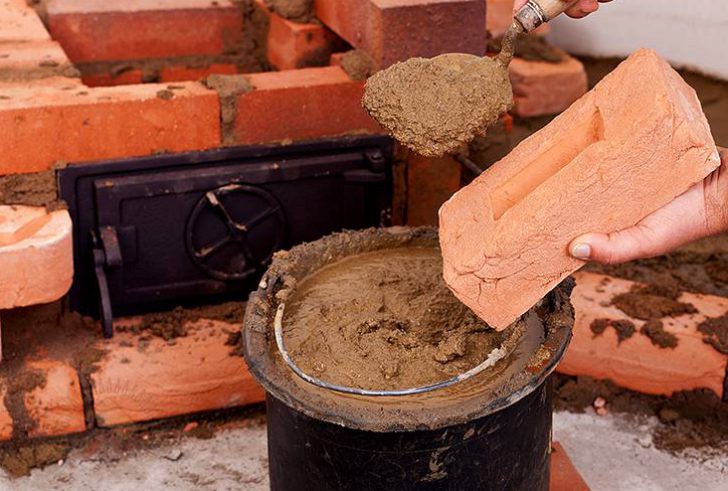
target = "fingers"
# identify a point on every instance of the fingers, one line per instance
(583, 8)
(681, 221)
(614, 248)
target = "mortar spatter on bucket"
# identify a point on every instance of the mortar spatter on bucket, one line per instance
(377, 378)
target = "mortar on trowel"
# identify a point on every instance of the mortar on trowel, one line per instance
(434, 106)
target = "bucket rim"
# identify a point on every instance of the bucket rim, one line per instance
(372, 413)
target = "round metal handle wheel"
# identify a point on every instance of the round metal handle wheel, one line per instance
(234, 255)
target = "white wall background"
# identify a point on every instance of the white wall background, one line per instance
(689, 33)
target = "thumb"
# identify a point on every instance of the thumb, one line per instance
(617, 247)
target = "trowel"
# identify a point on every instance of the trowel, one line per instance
(434, 106)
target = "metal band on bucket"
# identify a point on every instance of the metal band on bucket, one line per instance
(494, 357)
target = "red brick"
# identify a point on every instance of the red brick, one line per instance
(197, 373)
(624, 150)
(301, 104)
(296, 45)
(430, 182)
(636, 363)
(181, 73)
(92, 30)
(57, 406)
(36, 256)
(394, 30)
(50, 84)
(6, 421)
(32, 60)
(90, 124)
(541, 88)
(20, 23)
(564, 476)
(132, 76)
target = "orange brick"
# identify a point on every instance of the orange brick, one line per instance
(296, 45)
(10, 88)
(106, 122)
(395, 30)
(564, 476)
(636, 363)
(20, 23)
(197, 373)
(301, 104)
(541, 88)
(181, 73)
(90, 30)
(6, 421)
(430, 182)
(31, 60)
(57, 406)
(106, 79)
(36, 256)
(627, 148)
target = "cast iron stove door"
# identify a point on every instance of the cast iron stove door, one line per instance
(178, 228)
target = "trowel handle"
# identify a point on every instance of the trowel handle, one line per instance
(537, 12)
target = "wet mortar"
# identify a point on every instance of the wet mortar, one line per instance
(295, 10)
(436, 106)
(228, 88)
(655, 330)
(653, 301)
(173, 324)
(530, 47)
(34, 189)
(382, 328)
(384, 320)
(695, 419)
(66, 336)
(358, 64)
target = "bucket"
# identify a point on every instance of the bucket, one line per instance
(486, 428)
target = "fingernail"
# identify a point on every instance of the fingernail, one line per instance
(581, 251)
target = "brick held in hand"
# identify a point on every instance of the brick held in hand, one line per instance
(625, 149)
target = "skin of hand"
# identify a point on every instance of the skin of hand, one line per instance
(700, 212)
(581, 9)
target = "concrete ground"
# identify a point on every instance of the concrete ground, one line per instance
(613, 453)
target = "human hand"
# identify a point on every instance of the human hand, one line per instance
(581, 9)
(699, 212)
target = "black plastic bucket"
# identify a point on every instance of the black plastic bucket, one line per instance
(470, 436)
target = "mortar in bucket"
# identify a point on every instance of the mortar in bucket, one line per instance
(377, 378)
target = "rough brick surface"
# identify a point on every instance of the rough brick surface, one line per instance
(622, 151)
(20, 23)
(92, 30)
(301, 104)
(108, 122)
(541, 88)
(196, 373)
(57, 406)
(394, 30)
(33, 60)
(636, 363)
(6, 421)
(430, 182)
(108, 79)
(36, 256)
(292, 45)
